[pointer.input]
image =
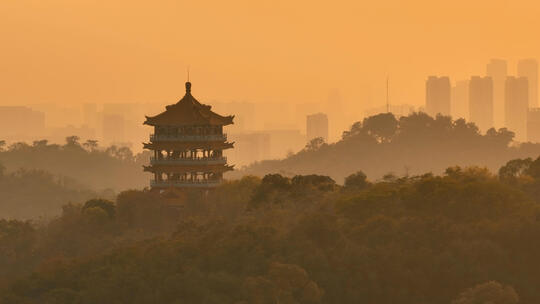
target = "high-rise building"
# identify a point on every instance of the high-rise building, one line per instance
(517, 105)
(244, 119)
(248, 148)
(497, 69)
(21, 123)
(533, 125)
(317, 126)
(114, 129)
(529, 68)
(460, 100)
(334, 108)
(285, 141)
(438, 95)
(90, 115)
(481, 102)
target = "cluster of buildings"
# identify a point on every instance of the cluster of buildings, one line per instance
(20, 123)
(110, 123)
(270, 131)
(495, 99)
(261, 130)
(252, 146)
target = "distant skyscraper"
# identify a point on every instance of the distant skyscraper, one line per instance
(438, 95)
(113, 128)
(21, 123)
(90, 115)
(533, 125)
(317, 126)
(249, 148)
(529, 68)
(481, 102)
(517, 105)
(460, 100)
(497, 69)
(334, 108)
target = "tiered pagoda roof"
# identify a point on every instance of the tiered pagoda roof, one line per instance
(188, 111)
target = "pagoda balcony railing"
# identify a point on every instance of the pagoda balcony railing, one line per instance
(189, 161)
(182, 184)
(161, 137)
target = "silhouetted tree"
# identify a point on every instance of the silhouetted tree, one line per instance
(502, 137)
(356, 181)
(382, 126)
(293, 284)
(40, 143)
(267, 192)
(90, 145)
(124, 153)
(17, 244)
(534, 169)
(73, 141)
(490, 292)
(306, 182)
(515, 169)
(105, 205)
(315, 144)
(355, 130)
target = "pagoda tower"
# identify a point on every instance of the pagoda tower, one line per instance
(188, 144)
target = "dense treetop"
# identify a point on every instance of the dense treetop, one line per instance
(97, 168)
(465, 236)
(421, 223)
(412, 144)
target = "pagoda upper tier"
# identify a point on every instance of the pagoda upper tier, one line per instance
(188, 112)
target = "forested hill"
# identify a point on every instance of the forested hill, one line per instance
(86, 163)
(414, 144)
(467, 236)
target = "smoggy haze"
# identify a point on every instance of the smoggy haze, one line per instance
(263, 51)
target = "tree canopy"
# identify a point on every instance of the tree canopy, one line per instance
(97, 168)
(403, 239)
(412, 144)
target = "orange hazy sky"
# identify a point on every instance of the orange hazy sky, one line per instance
(75, 51)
